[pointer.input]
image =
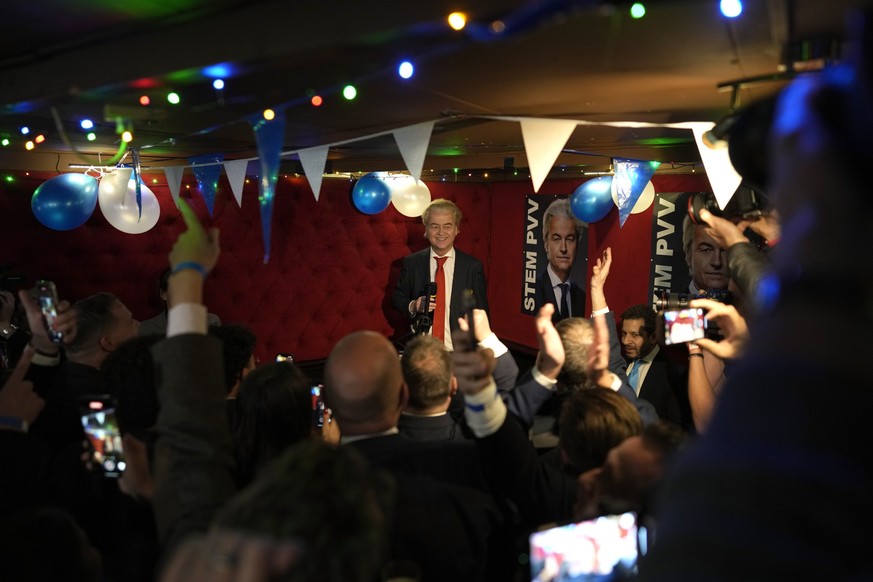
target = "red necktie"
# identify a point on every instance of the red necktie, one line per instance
(439, 313)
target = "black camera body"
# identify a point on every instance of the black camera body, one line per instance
(746, 203)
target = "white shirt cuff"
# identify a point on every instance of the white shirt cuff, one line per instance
(485, 411)
(602, 311)
(616, 383)
(44, 360)
(187, 318)
(493, 343)
(542, 379)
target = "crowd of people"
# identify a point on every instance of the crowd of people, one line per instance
(420, 465)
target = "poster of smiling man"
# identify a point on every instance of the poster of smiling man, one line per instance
(684, 258)
(555, 258)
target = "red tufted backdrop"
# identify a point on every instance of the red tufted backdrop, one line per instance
(332, 268)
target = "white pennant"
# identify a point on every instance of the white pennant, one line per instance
(723, 178)
(313, 161)
(412, 141)
(543, 141)
(174, 181)
(236, 175)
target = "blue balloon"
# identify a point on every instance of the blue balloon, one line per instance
(592, 200)
(65, 202)
(371, 194)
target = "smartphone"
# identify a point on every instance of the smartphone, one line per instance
(468, 306)
(317, 406)
(604, 548)
(101, 429)
(285, 358)
(47, 297)
(683, 325)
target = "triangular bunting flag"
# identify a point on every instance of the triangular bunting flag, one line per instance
(629, 181)
(269, 136)
(236, 175)
(174, 181)
(207, 169)
(313, 161)
(412, 142)
(543, 141)
(723, 178)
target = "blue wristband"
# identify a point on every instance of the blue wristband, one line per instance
(191, 265)
(14, 423)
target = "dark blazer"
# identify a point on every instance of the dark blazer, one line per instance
(618, 366)
(443, 500)
(415, 274)
(545, 293)
(661, 386)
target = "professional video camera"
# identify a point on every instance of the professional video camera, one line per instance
(746, 203)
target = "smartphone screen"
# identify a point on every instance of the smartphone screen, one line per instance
(317, 406)
(683, 325)
(605, 548)
(47, 297)
(285, 358)
(101, 429)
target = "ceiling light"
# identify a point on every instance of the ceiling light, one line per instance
(457, 20)
(731, 8)
(405, 69)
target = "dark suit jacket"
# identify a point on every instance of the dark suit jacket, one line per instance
(661, 386)
(443, 500)
(618, 366)
(415, 274)
(545, 293)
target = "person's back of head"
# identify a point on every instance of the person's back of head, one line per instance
(427, 371)
(238, 344)
(330, 500)
(577, 335)
(364, 384)
(46, 545)
(593, 421)
(273, 410)
(102, 324)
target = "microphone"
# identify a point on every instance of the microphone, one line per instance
(423, 320)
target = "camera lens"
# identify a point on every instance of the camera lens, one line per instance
(700, 201)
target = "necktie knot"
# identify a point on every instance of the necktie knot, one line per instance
(440, 261)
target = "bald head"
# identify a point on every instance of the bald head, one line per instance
(364, 384)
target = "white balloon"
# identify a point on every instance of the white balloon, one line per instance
(409, 196)
(643, 202)
(119, 207)
(114, 185)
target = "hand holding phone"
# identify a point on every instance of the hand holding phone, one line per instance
(47, 298)
(468, 306)
(103, 435)
(683, 325)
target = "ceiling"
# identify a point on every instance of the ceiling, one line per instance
(585, 60)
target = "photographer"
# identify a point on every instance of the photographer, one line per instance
(706, 354)
(745, 262)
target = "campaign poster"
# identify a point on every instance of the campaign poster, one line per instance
(566, 251)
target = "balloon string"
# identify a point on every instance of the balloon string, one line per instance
(122, 146)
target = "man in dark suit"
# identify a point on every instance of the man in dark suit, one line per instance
(442, 499)
(441, 261)
(651, 373)
(561, 234)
